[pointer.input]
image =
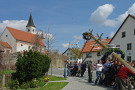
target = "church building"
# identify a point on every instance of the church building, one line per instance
(17, 40)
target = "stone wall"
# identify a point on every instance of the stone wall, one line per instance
(7, 61)
(57, 59)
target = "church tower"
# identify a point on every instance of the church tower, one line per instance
(30, 26)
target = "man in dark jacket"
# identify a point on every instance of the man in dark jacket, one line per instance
(90, 71)
(83, 69)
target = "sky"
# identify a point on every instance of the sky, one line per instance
(66, 20)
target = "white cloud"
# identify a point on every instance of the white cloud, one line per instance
(111, 34)
(65, 45)
(17, 24)
(100, 15)
(77, 37)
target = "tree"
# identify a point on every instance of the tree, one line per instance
(76, 51)
(31, 65)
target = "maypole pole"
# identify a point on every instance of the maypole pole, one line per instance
(113, 54)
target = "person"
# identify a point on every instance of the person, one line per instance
(90, 71)
(107, 67)
(83, 69)
(75, 69)
(79, 68)
(65, 69)
(99, 72)
(122, 76)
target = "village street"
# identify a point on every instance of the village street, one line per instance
(78, 83)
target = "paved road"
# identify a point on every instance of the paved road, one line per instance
(78, 83)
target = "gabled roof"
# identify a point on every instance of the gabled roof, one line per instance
(5, 44)
(30, 22)
(24, 36)
(77, 52)
(89, 44)
(122, 25)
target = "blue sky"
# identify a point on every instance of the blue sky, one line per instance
(67, 19)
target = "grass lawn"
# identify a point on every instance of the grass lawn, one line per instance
(53, 86)
(55, 78)
(7, 71)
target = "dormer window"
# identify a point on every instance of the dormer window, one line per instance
(28, 30)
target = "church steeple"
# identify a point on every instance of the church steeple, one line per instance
(30, 22)
(30, 26)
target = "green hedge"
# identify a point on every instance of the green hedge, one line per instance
(31, 65)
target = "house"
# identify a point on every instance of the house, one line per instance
(72, 54)
(93, 54)
(23, 40)
(5, 47)
(125, 38)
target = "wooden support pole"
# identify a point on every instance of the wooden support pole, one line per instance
(123, 62)
(114, 54)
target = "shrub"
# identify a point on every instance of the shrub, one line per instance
(31, 65)
(33, 84)
(25, 85)
(14, 84)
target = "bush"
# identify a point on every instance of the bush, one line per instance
(25, 85)
(14, 84)
(33, 84)
(31, 65)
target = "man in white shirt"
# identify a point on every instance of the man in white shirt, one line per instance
(99, 72)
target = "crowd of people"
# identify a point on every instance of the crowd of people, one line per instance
(111, 73)
(74, 69)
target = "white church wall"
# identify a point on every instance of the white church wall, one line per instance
(21, 46)
(7, 37)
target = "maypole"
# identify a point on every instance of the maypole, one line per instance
(113, 54)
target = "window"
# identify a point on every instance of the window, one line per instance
(21, 44)
(6, 35)
(134, 31)
(123, 34)
(28, 30)
(129, 46)
(33, 30)
(118, 46)
(98, 54)
(89, 54)
(67, 53)
(129, 58)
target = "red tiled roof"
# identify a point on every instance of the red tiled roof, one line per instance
(5, 44)
(89, 44)
(24, 36)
